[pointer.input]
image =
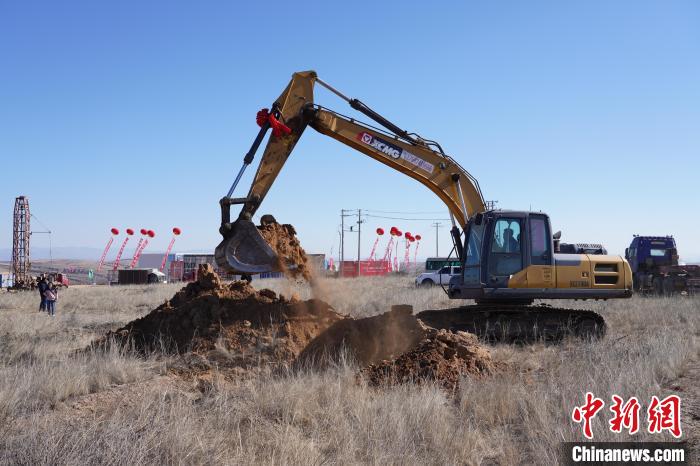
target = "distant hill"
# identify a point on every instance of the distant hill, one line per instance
(77, 253)
(61, 252)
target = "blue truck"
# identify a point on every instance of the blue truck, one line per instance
(656, 269)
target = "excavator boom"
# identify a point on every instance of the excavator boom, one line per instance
(243, 249)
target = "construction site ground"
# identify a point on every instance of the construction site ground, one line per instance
(330, 373)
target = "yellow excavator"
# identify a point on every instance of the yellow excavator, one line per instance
(508, 257)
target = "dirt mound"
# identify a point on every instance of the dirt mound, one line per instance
(232, 325)
(282, 239)
(443, 356)
(367, 340)
(396, 347)
(237, 328)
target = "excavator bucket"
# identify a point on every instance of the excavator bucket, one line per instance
(245, 251)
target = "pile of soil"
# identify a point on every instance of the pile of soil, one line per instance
(443, 357)
(236, 327)
(292, 257)
(232, 325)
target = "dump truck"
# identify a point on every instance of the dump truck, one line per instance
(656, 269)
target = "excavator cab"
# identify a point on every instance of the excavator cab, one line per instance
(496, 251)
(509, 258)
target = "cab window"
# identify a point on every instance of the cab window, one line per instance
(474, 245)
(506, 236)
(506, 257)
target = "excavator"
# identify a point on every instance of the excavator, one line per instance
(508, 256)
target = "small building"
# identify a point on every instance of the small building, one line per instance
(190, 263)
(153, 260)
(176, 271)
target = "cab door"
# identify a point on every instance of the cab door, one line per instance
(540, 273)
(506, 251)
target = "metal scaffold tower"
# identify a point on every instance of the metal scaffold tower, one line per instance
(20, 240)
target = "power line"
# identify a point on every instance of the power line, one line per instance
(405, 218)
(48, 231)
(423, 212)
(359, 222)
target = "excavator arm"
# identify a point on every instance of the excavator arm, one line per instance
(243, 249)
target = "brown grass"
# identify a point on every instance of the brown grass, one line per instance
(62, 407)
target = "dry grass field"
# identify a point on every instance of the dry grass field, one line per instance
(59, 406)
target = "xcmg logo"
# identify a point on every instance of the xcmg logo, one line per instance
(366, 138)
(381, 145)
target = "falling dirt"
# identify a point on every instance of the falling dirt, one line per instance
(292, 257)
(237, 329)
(366, 341)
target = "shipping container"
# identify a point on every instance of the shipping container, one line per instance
(140, 276)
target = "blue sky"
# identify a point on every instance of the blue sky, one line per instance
(139, 113)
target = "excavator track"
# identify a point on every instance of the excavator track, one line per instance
(517, 323)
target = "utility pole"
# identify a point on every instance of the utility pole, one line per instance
(359, 236)
(342, 240)
(343, 214)
(437, 243)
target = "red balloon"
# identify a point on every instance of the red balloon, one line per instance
(129, 231)
(398, 233)
(151, 233)
(394, 229)
(114, 231)
(407, 234)
(144, 231)
(380, 231)
(411, 239)
(418, 237)
(176, 231)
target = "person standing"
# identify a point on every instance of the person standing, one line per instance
(51, 294)
(42, 286)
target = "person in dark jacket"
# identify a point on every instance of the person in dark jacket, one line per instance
(42, 286)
